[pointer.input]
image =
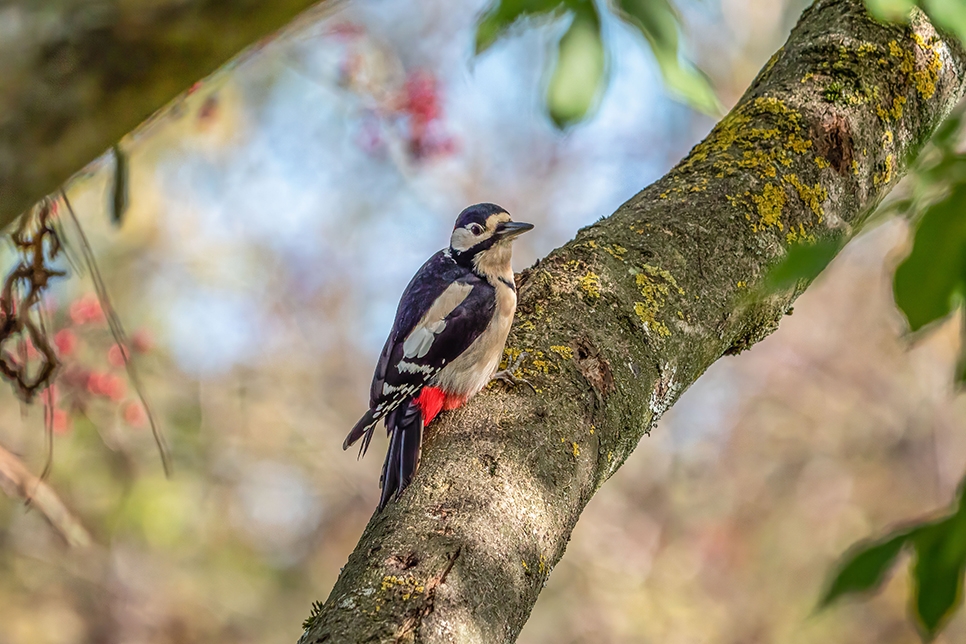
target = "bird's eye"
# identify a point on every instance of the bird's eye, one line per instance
(476, 229)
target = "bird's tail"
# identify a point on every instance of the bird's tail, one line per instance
(405, 426)
(363, 428)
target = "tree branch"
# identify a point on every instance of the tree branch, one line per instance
(77, 76)
(620, 321)
(18, 482)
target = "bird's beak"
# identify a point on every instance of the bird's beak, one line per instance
(513, 228)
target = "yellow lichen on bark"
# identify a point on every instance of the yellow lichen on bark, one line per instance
(656, 286)
(770, 203)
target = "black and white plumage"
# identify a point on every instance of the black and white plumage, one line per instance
(447, 339)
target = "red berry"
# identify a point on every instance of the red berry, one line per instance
(95, 383)
(66, 342)
(422, 99)
(116, 355)
(62, 422)
(86, 309)
(114, 387)
(134, 414)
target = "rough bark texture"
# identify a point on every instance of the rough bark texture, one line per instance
(617, 323)
(76, 75)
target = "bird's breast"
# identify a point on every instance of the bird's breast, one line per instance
(474, 368)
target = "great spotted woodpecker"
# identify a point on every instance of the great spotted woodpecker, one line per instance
(447, 339)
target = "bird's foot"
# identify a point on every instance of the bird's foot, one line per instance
(508, 376)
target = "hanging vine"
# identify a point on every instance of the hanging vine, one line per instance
(21, 312)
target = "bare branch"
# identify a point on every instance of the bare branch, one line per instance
(18, 482)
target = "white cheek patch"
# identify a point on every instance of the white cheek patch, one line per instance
(462, 240)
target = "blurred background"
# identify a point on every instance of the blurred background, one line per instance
(276, 214)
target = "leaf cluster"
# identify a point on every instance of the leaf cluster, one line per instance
(930, 283)
(939, 550)
(579, 73)
(929, 286)
(945, 14)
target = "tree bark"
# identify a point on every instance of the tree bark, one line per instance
(620, 321)
(76, 76)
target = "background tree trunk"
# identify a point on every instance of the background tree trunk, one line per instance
(76, 76)
(620, 321)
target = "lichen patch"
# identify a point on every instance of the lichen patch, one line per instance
(590, 285)
(655, 285)
(769, 203)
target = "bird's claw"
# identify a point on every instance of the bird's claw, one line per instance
(508, 377)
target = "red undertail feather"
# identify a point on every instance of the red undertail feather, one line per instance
(433, 400)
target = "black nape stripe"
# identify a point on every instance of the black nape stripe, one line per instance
(508, 283)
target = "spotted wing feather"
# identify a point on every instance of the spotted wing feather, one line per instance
(407, 364)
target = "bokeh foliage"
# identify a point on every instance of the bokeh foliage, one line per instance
(929, 286)
(579, 73)
(939, 547)
(945, 14)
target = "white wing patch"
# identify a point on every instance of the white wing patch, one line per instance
(411, 367)
(397, 393)
(420, 339)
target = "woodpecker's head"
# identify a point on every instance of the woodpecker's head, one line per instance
(482, 239)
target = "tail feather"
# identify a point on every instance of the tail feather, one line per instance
(412, 442)
(405, 425)
(363, 428)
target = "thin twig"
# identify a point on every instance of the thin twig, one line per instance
(18, 482)
(48, 414)
(114, 322)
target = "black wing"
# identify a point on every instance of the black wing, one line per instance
(436, 343)
(398, 375)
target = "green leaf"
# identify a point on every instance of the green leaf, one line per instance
(803, 261)
(579, 74)
(938, 573)
(658, 23)
(948, 14)
(947, 136)
(931, 278)
(576, 84)
(892, 10)
(864, 568)
(940, 564)
(505, 13)
(959, 373)
(656, 20)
